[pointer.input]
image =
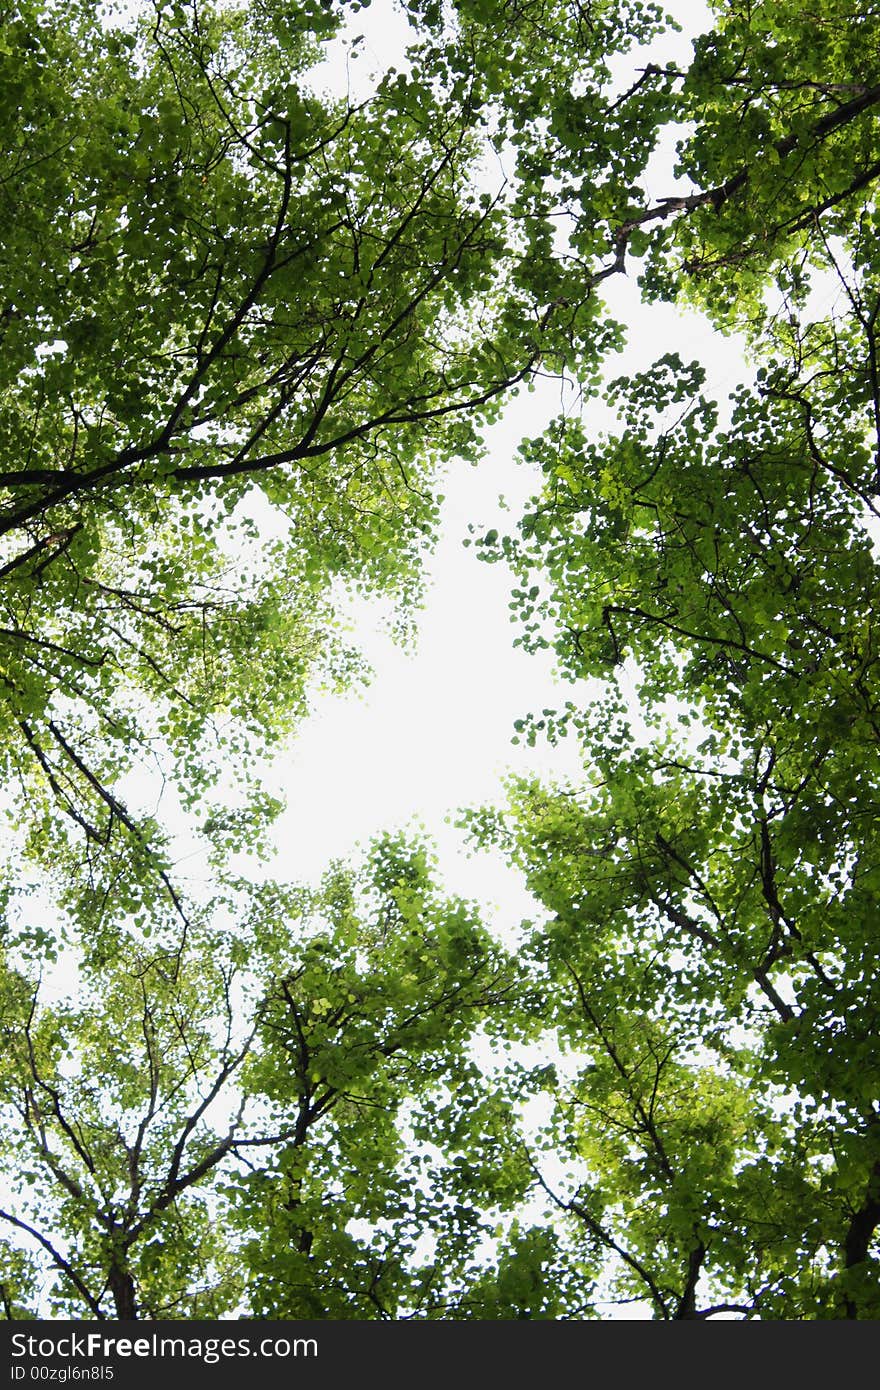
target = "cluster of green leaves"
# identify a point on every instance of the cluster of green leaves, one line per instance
(233, 308)
(278, 1117)
(712, 953)
(783, 98)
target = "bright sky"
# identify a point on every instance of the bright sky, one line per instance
(433, 731)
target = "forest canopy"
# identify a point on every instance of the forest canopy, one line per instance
(245, 324)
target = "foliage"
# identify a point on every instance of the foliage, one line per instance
(226, 1127)
(244, 323)
(712, 949)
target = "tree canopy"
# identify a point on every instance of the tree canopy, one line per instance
(244, 324)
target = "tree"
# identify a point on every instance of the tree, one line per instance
(712, 950)
(225, 1130)
(254, 308)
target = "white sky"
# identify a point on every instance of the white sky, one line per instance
(433, 731)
